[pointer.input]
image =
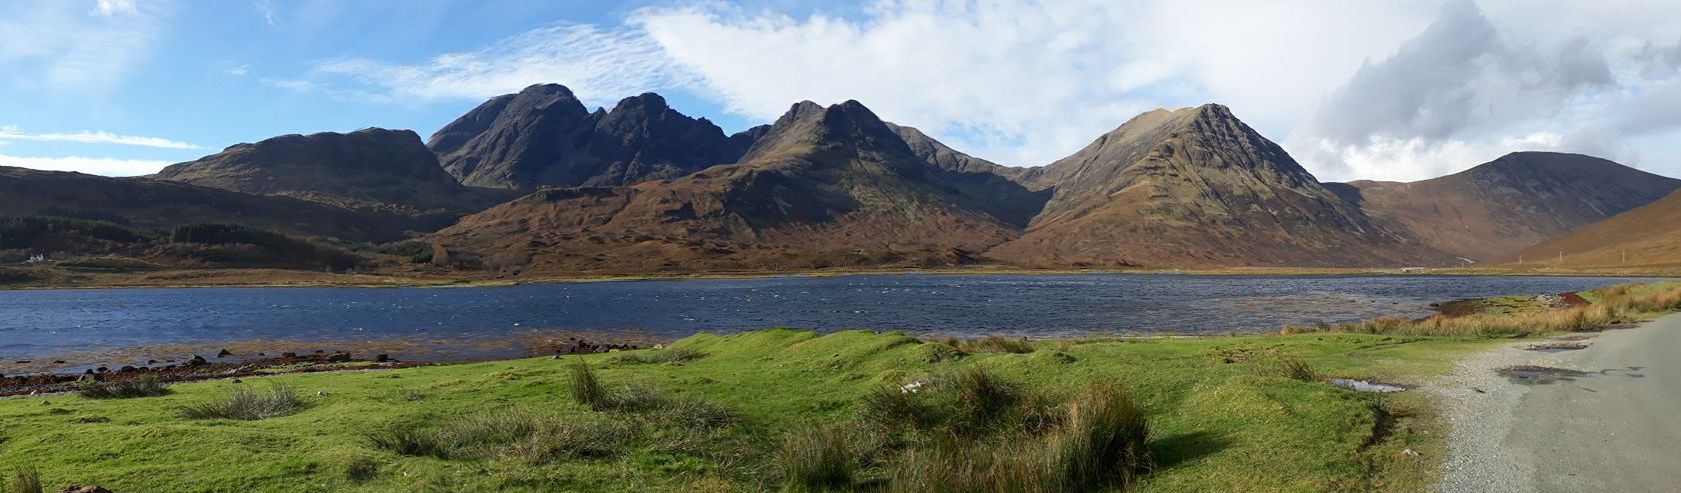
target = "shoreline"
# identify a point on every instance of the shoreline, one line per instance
(312, 279)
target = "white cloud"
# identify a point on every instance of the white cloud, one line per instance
(99, 166)
(1414, 158)
(109, 8)
(1479, 83)
(1354, 89)
(600, 65)
(265, 7)
(60, 46)
(101, 137)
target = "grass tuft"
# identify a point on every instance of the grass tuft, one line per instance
(533, 437)
(145, 386)
(819, 458)
(995, 344)
(897, 406)
(586, 388)
(1103, 443)
(248, 404)
(1298, 369)
(671, 356)
(25, 482)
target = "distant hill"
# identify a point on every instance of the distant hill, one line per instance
(821, 187)
(1648, 236)
(1195, 187)
(1501, 207)
(374, 167)
(544, 136)
(159, 204)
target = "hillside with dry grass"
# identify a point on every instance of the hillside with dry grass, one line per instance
(1501, 207)
(1645, 238)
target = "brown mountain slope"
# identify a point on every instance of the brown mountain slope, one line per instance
(148, 203)
(1196, 187)
(994, 184)
(1501, 207)
(543, 136)
(367, 168)
(822, 187)
(1648, 236)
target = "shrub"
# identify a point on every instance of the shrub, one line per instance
(11, 275)
(109, 262)
(819, 458)
(235, 244)
(24, 232)
(248, 404)
(145, 386)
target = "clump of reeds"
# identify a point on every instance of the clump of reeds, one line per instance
(25, 481)
(1298, 369)
(971, 431)
(145, 386)
(249, 404)
(676, 355)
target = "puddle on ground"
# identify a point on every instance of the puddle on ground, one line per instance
(1539, 375)
(1556, 346)
(1366, 386)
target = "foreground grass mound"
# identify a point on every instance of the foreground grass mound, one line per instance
(778, 409)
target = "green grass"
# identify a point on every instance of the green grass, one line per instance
(1221, 417)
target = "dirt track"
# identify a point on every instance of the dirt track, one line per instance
(1604, 418)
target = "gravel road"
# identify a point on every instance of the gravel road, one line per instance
(1603, 418)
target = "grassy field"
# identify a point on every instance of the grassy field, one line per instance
(785, 409)
(1224, 414)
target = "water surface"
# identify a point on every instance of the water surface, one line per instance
(41, 324)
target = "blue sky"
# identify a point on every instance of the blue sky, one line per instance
(1379, 89)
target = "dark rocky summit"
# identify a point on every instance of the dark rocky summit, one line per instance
(1196, 187)
(822, 187)
(544, 136)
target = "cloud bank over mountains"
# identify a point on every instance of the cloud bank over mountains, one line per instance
(1382, 89)
(1386, 90)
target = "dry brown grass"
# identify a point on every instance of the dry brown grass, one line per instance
(1611, 306)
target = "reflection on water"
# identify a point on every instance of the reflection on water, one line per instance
(40, 324)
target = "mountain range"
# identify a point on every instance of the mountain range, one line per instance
(536, 184)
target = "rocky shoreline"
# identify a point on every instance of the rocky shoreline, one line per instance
(225, 364)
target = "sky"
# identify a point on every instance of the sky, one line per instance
(1374, 89)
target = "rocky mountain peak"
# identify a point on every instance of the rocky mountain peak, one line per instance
(544, 136)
